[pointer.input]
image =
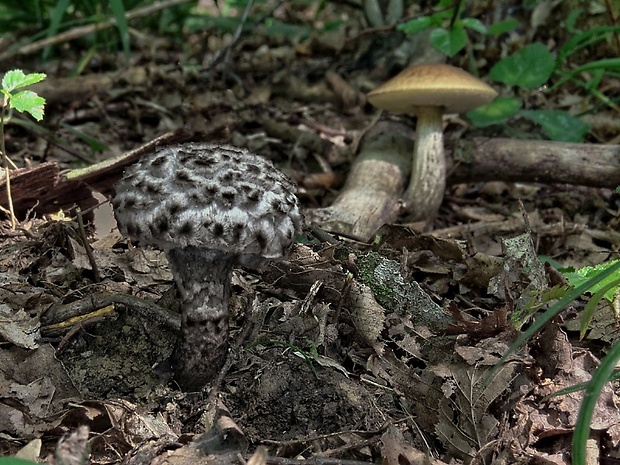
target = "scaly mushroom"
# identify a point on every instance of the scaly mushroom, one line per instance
(208, 207)
(428, 91)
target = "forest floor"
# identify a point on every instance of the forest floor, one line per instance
(350, 349)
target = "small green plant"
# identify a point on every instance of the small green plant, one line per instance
(605, 371)
(25, 101)
(529, 68)
(607, 289)
(449, 31)
(533, 66)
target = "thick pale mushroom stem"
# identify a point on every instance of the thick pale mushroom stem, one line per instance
(428, 172)
(203, 280)
(375, 185)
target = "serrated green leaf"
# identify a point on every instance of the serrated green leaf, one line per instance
(499, 110)
(11, 79)
(30, 102)
(449, 42)
(529, 68)
(16, 79)
(582, 275)
(558, 125)
(32, 78)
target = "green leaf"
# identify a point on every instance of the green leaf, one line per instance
(580, 276)
(571, 21)
(502, 27)
(416, 25)
(528, 68)
(28, 101)
(606, 64)
(499, 110)
(474, 24)
(558, 125)
(16, 78)
(449, 42)
(590, 398)
(55, 20)
(586, 39)
(592, 305)
(118, 9)
(550, 314)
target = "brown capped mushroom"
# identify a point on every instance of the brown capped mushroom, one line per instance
(208, 207)
(428, 91)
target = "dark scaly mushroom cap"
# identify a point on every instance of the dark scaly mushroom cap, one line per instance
(211, 196)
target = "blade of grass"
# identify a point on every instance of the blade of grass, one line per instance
(590, 397)
(590, 308)
(118, 10)
(55, 20)
(551, 313)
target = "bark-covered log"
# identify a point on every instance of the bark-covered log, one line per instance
(513, 160)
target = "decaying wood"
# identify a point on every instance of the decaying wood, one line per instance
(371, 196)
(43, 189)
(102, 176)
(540, 161)
(38, 189)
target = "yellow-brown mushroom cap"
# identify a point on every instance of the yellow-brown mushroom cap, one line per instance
(442, 85)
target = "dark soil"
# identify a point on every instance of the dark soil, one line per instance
(367, 351)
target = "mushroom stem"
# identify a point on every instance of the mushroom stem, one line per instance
(203, 280)
(428, 172)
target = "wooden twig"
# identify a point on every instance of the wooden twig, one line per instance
(87, 246)
(57, 316)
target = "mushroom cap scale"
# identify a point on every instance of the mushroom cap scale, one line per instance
(210, 196)
(441, 85)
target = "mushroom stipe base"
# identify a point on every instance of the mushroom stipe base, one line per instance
(203, 281)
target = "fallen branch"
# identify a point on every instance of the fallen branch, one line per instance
(539, 161)
(43, 190)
